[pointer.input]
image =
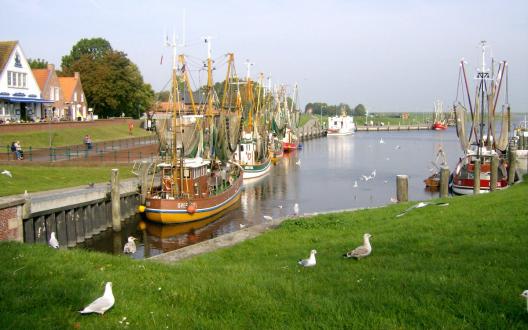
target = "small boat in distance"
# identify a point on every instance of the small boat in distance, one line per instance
(439, 121)
(341, 125)
(433, 181)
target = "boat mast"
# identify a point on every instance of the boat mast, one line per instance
(249, 95)
(483, 75)
(207, 40)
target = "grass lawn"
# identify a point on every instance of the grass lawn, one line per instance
(40, 178)
(455, 267)
(70, 136)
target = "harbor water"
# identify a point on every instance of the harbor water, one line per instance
(327, 174)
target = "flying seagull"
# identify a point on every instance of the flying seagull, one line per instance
(53, 242)
(130, 246)
(310, 262)
(420, 205)
(361, 251)
(525, 296)
(296, 209)
(101, 304)
(7, 173)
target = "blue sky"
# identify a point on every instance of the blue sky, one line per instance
(388, 55)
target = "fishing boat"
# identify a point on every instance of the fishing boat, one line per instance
(197, 179)
(341, 125)
(290, 141)
(439, 120)
(481, 146)
(253, 156)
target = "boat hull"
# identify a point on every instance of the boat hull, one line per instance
(339, 132)
(255, 170)
(176, 210)
(290, 146)
(439, 126)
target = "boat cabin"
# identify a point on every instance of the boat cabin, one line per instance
(190, 181)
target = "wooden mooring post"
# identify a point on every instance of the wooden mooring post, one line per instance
(513, 166)
(476, 177)
(402, 188)
(444, 181)
(115, 198)
(494, 172)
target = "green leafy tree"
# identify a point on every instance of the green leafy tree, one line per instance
(163, 96)
(37, 63)
(94, 48)
(360, 110)
(112, 83)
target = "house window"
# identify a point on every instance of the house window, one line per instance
(14, 79)
(24, 79)
(57, 94)
(75, 97)
(8, 78)
(82, 97)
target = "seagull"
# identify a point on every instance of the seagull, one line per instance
(280, 206)
(393, 200)
(361, 251)
(242, 226)
(373, 174)
(397, 147)
(525, 296)
(310, 262)
(269, 218)
(298, 163)
(101, 304)
(366, 178)
(420, 205)
(381, 141)
(130, 246)
(53, 242)
(296, 209)
(355, 184)
(7, 173)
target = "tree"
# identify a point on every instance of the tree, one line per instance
(163, 96)
(37, 63)
(112, 83)
(360, 110)
(94, 48)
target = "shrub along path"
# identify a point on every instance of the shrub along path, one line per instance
(459, 266)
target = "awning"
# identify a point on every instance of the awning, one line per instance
(25, 100)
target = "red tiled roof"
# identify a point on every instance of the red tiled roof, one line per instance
(41, 76)
(67, 85)
(6, 48)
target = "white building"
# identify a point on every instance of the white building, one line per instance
(20, 95)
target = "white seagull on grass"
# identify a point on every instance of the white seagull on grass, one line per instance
(310, 262)
(101, 304)
(6, 172)
(361, 251)
(53, 242)
(525, 296)
(296, 209)
(268, 217)
(130, 246)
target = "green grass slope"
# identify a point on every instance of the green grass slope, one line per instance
(455, 267)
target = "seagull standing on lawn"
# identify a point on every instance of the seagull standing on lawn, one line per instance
(361, 251)
(525, 296)
(296, 209)
(101, 304)
(310, 262)
(130, 246)
(53, 242)
(7, 173)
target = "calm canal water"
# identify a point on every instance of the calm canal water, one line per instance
(324, 181)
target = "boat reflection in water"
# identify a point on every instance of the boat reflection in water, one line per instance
(160, 238)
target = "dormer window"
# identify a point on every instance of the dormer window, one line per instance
(18, 64)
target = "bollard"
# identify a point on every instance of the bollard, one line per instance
(444, 181)
(115, 199)
(511, 169)
(494, 172)
(476, 177)
(402, 188)
(51, 154)
(30, 154)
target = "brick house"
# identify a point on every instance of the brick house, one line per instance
(75, 106)
(51, 90)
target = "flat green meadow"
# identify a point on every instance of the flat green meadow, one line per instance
(455, 267)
